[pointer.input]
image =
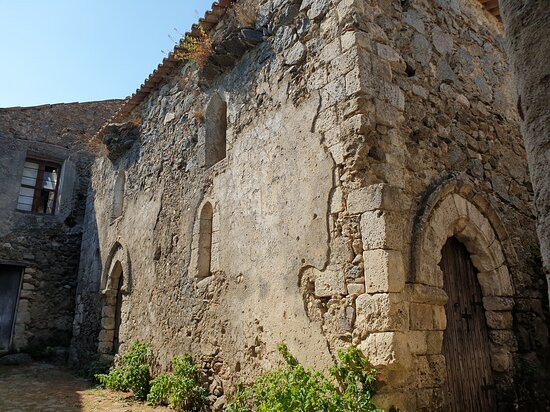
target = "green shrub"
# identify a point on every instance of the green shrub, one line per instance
(97, 367)
(181, 389)
(131, 372)
(294, 388)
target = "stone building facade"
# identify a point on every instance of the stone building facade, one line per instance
(45, 164)
(302, 185)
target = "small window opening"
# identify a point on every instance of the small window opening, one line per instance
(39, 186)
(205, 240)
(216, 130)
(118, 195)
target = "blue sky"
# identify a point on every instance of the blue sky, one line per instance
(54, 51)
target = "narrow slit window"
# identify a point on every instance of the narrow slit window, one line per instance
(118, 195)
(205, 240)
(216, 131)
(39, 187)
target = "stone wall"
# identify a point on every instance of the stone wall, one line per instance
(46, 246)
(439, 154)
(352, 128)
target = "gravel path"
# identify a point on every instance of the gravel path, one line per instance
(47, 388)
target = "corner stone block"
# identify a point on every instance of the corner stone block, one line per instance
(417, 341)
(355, 125)
(329, 283)
(421, 316)
(348, 9)
(386, 349)
(382, 230)
(387, 115)
(419, 293)
(384, 271)
(381, 312)
(393, 94)
(355, 38)
(434, 342)
(375, 197)
(430, 371)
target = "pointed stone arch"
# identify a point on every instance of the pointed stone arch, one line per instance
(456, 209)
(117, 254)
(115, 283)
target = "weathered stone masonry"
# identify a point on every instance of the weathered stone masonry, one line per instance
(46, 246)
(357, 137)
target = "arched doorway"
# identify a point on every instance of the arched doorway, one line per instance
(115, 289)
(469, 385)
(118, 308)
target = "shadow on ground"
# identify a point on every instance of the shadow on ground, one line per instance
(40, 387)
(43, 387)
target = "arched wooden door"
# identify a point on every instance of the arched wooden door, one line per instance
(469, 385)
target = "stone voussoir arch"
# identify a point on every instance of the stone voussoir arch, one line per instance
(118, 255)
(457, 209)
(116, 265)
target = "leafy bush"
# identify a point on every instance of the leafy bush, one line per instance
(181, 389)
(294, 388)
(97, 367)
(131, 372)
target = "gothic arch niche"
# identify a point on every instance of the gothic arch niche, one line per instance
(452, 215)
(115, 284)
(215, 129)
(205, 242)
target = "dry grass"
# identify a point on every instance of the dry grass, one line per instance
(245, 12)
(96, 146)
(197, 49)
(199, 116)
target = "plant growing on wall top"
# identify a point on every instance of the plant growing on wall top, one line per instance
(196, 49)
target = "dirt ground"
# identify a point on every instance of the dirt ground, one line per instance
(45, 387)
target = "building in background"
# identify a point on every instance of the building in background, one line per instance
(45, 167)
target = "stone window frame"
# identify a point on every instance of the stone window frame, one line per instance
(119, 187)
(198, 243)
(214, 131)
(117, 263)
(456, 209)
